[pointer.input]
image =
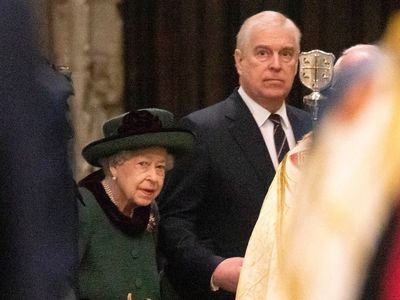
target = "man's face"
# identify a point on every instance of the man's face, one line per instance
(268, 64)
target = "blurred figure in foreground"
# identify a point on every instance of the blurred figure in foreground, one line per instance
(260, 275)
(38, 206)
(348, 188)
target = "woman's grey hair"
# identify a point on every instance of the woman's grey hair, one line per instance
(119, 158)
(265, 19)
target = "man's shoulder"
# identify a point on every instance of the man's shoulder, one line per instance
(300, 114)
(213, 112)
(301, 120)
(206, 112)
(298, 111)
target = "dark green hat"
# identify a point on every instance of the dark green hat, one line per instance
(137, 130)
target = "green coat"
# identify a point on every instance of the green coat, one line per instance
(113, 263)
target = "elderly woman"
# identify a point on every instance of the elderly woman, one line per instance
(118, 214)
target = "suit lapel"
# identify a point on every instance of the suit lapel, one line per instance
(246, 133)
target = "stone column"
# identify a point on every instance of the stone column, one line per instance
(86, 37)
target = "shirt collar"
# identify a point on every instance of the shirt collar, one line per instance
(261, 114)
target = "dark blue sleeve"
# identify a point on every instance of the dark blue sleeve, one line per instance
(190, 260)
(39, 219)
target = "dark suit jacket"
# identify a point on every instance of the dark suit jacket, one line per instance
(211, 201)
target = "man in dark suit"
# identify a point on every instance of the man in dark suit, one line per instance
(38, 208)
(211, 201)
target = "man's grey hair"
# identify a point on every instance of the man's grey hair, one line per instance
(265, 19)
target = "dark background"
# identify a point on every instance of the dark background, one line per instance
(179, 54)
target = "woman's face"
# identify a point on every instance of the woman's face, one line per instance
(141, 177)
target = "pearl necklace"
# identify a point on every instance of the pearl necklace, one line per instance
(109, 193)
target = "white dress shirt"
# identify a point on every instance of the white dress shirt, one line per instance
(261, 115)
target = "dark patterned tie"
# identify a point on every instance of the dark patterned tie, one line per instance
(281, 143)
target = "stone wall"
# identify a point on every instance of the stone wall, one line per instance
(86, 38)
